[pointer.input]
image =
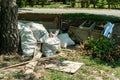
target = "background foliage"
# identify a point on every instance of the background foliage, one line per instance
(103, 48)
(72, 3)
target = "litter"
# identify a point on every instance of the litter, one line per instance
(65, 66)
(33, 33)
(65, 40)
(39, 31)
(108, 29)
(51, 46)
(27, 41)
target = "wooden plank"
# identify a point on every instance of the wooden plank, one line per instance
(78, 34)
(24, 63)
(65, 66)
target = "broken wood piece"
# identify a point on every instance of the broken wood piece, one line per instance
(82, 24)
(23, 63)
(29, 68)
(65, 66)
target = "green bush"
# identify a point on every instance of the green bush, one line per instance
(101, 3)
(86, 16)
(21, 3)
(103, 48)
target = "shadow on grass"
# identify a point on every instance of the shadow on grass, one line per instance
(111, 64)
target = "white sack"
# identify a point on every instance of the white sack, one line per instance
(51, 46)
(39, 31)
(21, 26)
(28, 41)
(65, 40)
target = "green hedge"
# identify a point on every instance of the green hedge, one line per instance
(86, 16)
(103, 48)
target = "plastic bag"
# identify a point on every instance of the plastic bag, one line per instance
(51, 46)
(39, 31)
(21, 26)
(108, 30)
(28, 41)
(65, 40)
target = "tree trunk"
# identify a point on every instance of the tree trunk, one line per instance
(82, 4)
(72, 3)
(8, 27)
(64, 1)
(109, 4)
(43, 3)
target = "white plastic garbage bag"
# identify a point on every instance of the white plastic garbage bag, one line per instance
(65, 40)
(51, 46)
(21, 25)
(39, 31)
(31, 33)
(28, 41)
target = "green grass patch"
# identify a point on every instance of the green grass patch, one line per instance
(56, 75)
(91, 69)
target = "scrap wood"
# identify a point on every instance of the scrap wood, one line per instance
(23, 63)
(29, 68)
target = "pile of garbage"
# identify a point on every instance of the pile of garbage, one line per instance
(34, 35)
(95, 29)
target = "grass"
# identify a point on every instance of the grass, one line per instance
(91, 70)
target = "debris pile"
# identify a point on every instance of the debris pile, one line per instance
(88, 29)
(37, 41)
(34, 35)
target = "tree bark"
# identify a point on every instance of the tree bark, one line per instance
(8, 27)
(109, 5)
(43, 3)
(64, 1)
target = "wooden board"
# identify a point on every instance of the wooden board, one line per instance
(65, 66)
(78, 34)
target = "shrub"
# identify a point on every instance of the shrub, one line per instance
(21, 3)
(103, 48)
(86, 16)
